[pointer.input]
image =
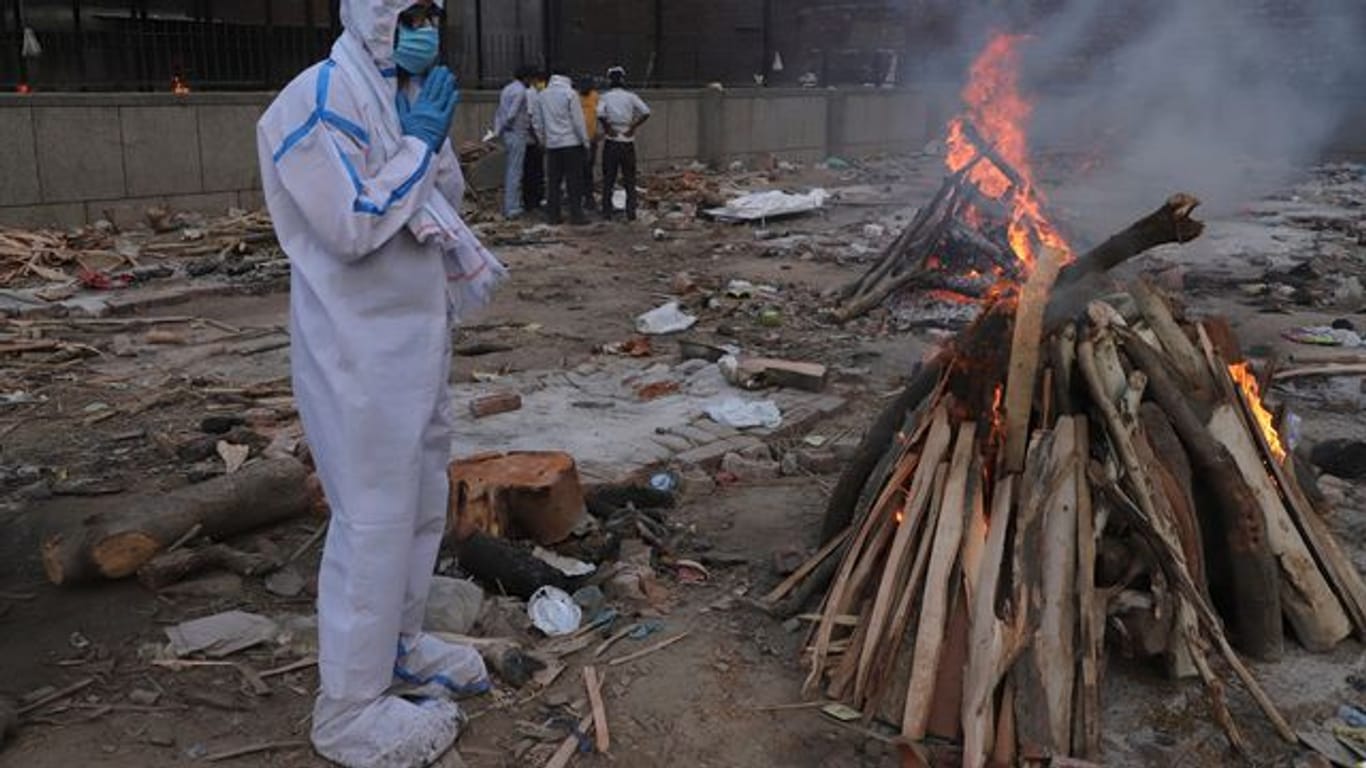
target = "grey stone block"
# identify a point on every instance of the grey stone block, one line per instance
(737, 119)
(227, 147)
(80, 153)
(19, 162)
(684, 124)
(61, 215)
(161, 150)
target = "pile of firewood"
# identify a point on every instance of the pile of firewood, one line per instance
(1104, 483)
(39, 256)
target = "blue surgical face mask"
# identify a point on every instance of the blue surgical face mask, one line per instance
(416, 49)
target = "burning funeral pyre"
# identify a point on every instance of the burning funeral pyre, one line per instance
(1071, 476)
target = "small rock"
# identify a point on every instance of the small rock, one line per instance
(285, 582)
(745, 469)
(124, 346)
(792, 625)
(143, 697)
(790, 466)
(557, 699)
(201, 267)
(1343, 458)
(219, 424)
(1336, 490)
(453, 605)
(787, 560)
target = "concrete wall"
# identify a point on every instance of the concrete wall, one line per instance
(73, 158)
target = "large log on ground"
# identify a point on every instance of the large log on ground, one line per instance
(112, 537)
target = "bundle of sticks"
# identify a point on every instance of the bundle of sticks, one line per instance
(1025, 507)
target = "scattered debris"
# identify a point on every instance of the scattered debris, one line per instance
(743, 414)
(554, 612)
(221, 634)
(566, 565)
(772, 204)
(664, 319)
(489, 405)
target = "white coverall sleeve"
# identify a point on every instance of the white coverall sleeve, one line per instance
(353, 202)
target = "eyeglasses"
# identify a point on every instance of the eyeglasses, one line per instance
(421, 16)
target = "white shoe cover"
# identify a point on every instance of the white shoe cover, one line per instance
(389, 732)
(429, 667)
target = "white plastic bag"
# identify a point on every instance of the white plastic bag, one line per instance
(737, 413)
(554, 612)
(667, 318)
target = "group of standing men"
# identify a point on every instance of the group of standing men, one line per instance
(551, 130)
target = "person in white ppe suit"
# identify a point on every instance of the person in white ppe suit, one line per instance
(364, 189)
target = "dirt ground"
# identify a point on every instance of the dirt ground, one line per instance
(114, 421)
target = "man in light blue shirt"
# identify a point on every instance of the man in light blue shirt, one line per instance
(512, 124)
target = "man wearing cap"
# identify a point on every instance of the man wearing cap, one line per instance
(620, 113)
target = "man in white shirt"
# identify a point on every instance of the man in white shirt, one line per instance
(621, 113)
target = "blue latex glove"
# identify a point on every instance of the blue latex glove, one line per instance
(429, 116)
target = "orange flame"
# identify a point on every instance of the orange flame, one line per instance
(998, 112)
(1242, 375)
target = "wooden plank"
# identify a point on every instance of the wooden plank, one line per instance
(945, 718)
(988, 636)
(834, 597)
(796, 577)
(602, 738)
(897, 628)
(1054, 641)
(1024, 355)
(1336, 369)
(894, 569)
(948, 537)
(1090, 636)
(565, 752)
(1308, 603)
(1003, 744)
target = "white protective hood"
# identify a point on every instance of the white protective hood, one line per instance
(374, 22)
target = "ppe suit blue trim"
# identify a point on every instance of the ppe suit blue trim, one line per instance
(322, 114)
(389, 72)
(364, 204)
(475, 688)
(296, 136)
(412, 678)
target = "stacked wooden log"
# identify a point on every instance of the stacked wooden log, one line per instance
(1085, 489)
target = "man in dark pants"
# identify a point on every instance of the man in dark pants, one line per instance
(533, 166)
(559, 121)
(620, 112)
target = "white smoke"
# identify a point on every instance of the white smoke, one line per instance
(1223, 98)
